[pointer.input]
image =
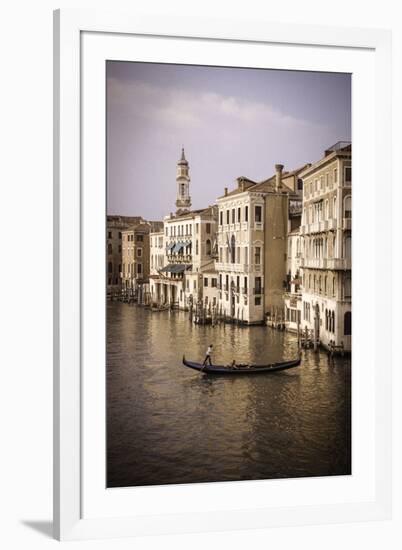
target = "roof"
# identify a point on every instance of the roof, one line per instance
(268, 184)
(340, 148)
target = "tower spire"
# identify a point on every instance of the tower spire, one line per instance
(183, 199)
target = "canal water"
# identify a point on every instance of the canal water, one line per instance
(169, 424)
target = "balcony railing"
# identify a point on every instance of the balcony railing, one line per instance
(326, 263)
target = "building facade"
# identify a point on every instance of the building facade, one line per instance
(157, 252)
(326, 260)
(189, 238)
(252, 240)
(136, 259)
(115, 225)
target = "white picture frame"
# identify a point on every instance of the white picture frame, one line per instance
(78, 214)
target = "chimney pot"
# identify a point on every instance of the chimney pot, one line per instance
(226, 191)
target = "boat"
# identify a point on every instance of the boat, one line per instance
(242, 368)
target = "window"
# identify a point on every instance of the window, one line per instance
(196, 246)
(214, 282)
(205, 281)
(120, 235)
(139, 252)
(233, 215)
(348, 207)
(239, 215)
(208, 228)
(348, 175)
(258, 214)
(233, 249)
(258, 285)
(246, 213)
(348, 247)
(208, 247)
(140, 238)
(347, 323)
(257, 300)
(119, 248)
(227, 217)
(221, 218)
(335, 175)
(109, 235)
(299, 184)
(109, 249)
(246, 255)
(110, 267)
(257, 255)
(348, 287)
(197, 227)
(194, 284)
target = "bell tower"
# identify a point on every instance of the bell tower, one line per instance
(183, 199)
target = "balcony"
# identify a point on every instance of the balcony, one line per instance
(339, 263)
(259, 226)
(326, 263)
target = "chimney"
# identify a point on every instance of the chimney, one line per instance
(278, 183)
(226, 191)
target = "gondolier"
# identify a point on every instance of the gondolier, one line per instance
(208, 356)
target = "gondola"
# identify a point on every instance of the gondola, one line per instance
(242, 368)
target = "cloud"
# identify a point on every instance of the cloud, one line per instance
(197, 110)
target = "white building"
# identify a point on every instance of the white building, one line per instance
(327, 246)
(189, 249)
(293, 294)
(157, 252)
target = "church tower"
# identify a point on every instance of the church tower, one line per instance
(183, 200)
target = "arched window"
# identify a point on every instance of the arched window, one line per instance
(325, 284)
(347, 207)
(347, 323)
(110, 267)
(333, 321)
(326, 319)
(208, 247)
(233, 249)
(333, 286)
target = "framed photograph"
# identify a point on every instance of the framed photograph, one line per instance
(210, 371)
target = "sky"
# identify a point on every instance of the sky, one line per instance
(231, 122)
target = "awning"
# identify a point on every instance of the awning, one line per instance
(170, 246)
(176, 268)
(177, 248)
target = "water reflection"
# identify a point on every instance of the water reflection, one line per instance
(169, 424)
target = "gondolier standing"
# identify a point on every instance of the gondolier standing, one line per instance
(208, 356)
